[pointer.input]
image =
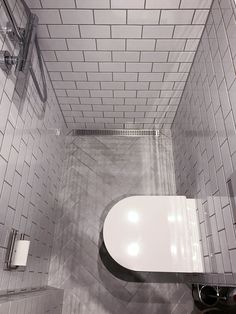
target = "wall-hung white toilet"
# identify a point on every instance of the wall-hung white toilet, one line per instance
(154, 234)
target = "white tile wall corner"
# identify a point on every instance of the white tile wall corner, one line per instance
(204, 140)
(45, 301)
(79, 37)
(30, 160)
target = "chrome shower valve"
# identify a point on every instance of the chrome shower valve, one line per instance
(7, 60)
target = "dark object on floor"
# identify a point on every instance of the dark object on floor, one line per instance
(214, 299)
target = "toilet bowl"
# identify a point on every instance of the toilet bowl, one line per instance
(154, 234)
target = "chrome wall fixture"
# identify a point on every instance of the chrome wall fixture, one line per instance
(26, 39)
(10, 250)
(17, 252)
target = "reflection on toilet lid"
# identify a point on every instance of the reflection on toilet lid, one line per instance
(153, 233)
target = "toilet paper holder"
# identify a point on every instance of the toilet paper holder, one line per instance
(11, 249)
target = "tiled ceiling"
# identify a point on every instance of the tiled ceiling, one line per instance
(119, 63)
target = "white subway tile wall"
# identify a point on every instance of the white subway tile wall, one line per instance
(129, 40)
(30, 161)
(204, 141)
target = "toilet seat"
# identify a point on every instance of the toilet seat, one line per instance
(155, 234)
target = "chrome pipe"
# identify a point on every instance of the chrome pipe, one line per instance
(27, 40)
(12, 20)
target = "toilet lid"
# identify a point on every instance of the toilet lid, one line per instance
(153, 233)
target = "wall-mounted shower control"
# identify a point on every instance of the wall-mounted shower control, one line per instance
(9, 31)
(26, 38)
(7, 60)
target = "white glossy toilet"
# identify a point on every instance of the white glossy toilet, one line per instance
(154, 234)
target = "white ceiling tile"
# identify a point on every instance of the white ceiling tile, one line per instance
(49, 56)
(150, 77)
(165, 67)
(127, 4)
(124, 108)
(140, 44)
(124, 120)
(33, 4)
(143, 17)
(48, 16)
(110, 44)
(69, 55)
(159, 31)
(191, 44)
(95, 114)
(90, 101)
(185, 67)
(52, 44)
(102, 108)
(125, 77)
(170, 44)
(65, 85)
(112, 85)
(92, 4)
(99, 76)
(81, 44)
(179, 85)
(176, 16)
(110, 16)
(158, 101)
(196, 4)
(42, 31)
(104, 120)
(77, 17)
(181, 77)
(148, 93)
(58, 4)
(64, 31)
(154, 56)
(95, 31)
(113, 114)
(113, 101)
(134, 114)
(88, 85)
(101, 93)
(78, 93)
(129, 31)
(125, 93)
(181, 56)
(59, 66)
(161, 85)
(78, 107)
(126, 56)
(85, 66)
(200, 16)
(74, 76)
(111, 67)
(136, 85)
(55, 76)
(188, 31)
(162, 4)
(171, 93)
(138, 67)
(97, 55)
(136, 101)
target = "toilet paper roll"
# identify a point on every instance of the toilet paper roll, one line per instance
(21, 253)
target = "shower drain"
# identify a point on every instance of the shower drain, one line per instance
(117, 132)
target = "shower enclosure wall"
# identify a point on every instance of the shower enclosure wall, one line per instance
(30, 160)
